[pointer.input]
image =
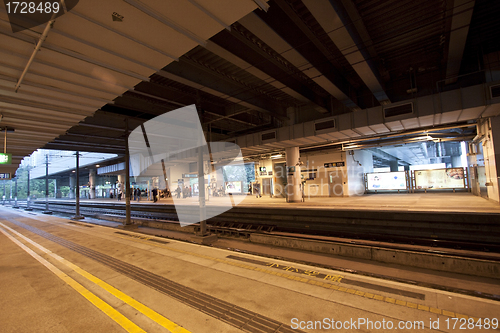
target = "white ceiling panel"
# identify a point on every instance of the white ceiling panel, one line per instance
(88, 59)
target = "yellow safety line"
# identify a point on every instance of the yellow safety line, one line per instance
(309, 281)
(314, 282)
(120, 319)
(168, 324)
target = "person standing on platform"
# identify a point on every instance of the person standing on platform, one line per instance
(257, 190)
(155, 194)
(190, 191)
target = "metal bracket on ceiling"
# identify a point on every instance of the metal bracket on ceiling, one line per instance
(262, 5)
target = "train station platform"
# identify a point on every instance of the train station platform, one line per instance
(430, 202)
(65, 276)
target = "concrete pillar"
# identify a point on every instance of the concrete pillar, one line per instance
(55, 188)
(495, 157)
(92, 184)
(72, 187)
(393, 165)
(294, 192)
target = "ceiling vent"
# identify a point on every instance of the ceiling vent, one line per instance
(495, 91)
(399, 110)
(324, 125)
(268, 136)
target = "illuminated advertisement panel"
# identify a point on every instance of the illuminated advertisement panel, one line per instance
(439, 178)
(233, 187)
(386, 180)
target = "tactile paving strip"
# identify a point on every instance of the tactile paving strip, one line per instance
(234, 315)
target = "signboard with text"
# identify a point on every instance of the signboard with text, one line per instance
(440, 179)
(334, 164)
(233, 187)
(386, 181)
(5, 158)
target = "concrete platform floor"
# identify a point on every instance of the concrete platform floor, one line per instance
(437, 201)
(36, 299)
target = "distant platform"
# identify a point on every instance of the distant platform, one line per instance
(407, 202)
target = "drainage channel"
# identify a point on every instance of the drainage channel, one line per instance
(234, 315)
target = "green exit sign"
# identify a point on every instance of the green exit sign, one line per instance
(5, 158)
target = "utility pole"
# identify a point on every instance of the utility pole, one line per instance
(28, 200)
(15, 195)
(47, 211)
(77, 189)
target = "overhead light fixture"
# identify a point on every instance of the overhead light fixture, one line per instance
(97, 165)
(277, 156)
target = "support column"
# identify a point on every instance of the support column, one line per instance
(47, 211)
(128, 223)
(55, 188)
(294, 193)
(77, 186)
(10, 198)
(3, 197)
(201, 192)
(28, 199)
(394, 165)
(15, 195)
(92, 184)
(72, 187)
(120, 186)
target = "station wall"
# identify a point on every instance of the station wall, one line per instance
(318, 187)
(488, 130)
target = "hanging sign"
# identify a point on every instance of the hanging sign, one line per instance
(5, 158)
(334, 164)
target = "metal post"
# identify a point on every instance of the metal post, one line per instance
(3, 198)
(28, 200)
(10, 198)
(127, 178)
(201, 191)
(15, 195)
(47, 211)
(77, 189)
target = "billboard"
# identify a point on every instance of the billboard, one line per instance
(386, 181)
(233, 187)
(440, 178)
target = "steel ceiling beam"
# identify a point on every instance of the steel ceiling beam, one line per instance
(386, 156)
(250, 68)
(237, 43)
(192, 74)
(462, 15)
(341, 32)
(298, 37)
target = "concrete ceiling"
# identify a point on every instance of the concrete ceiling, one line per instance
(249, 66)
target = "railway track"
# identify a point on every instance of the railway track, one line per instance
(463, 231)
